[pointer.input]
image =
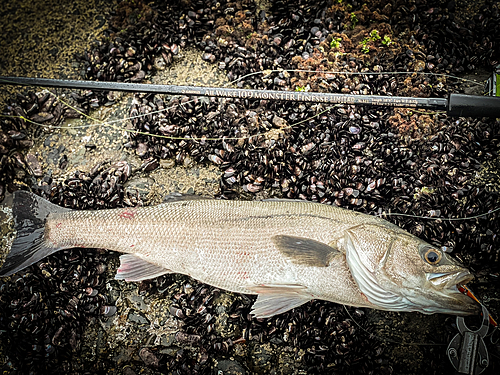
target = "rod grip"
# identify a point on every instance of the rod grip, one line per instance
(473, 106)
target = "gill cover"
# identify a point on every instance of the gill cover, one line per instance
(367, 248)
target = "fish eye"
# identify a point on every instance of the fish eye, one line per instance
(432, 256)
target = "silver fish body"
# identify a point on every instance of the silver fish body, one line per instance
(288, 252)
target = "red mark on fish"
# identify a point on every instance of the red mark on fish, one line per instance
(127, 214)
(243, 275)
(243, 253)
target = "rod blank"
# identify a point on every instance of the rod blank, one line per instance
(455, 105)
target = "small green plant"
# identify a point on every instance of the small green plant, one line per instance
(374, 35)
(364, 45)
(354, 20)
(335, 43)
(386, 41)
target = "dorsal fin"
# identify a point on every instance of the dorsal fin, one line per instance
(285, 200)
(178, 197)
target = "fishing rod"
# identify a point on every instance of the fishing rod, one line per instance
(454, 105)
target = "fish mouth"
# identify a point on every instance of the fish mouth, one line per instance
(461, 279)
(450, 281)
(456, 302)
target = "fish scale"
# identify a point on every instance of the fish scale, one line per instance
(287, 252)
(164, 235)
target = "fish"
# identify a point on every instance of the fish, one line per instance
(287, 252)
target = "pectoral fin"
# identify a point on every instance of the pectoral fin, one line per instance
(276, 299)
(305, 251)
(133, 268)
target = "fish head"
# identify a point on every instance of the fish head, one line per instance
(397, 271)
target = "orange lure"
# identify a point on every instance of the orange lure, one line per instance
(463, 289)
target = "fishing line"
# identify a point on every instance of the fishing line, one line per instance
(269, 71)
(441, 218)
(358, 73)
(199, 139)
(263, 134)
(383, 338)
(108, 123)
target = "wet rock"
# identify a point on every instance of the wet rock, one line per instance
(149, 358)
(128, 371)
(230, 367)
(141, 149)
(55, 154)
(279, 122)
(42, 117)
(34, 165)
(137, 318)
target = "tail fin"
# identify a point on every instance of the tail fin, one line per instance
(30, 213)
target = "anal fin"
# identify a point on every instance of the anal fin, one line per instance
(277, 299)
(133, 268)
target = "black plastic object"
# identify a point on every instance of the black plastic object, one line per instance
(492, 87)
(467, 351)
(473, 106)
